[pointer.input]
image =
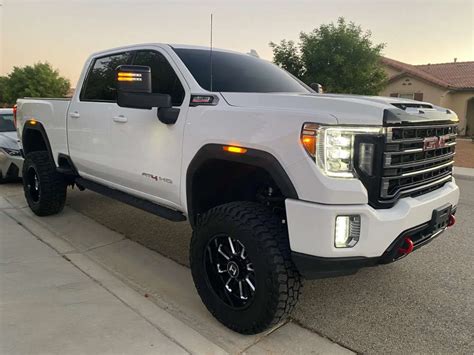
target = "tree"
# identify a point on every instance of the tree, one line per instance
(286, 56)
(339, 56)
(39, 80)
(3, 86)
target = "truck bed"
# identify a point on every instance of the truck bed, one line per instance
(52, 113)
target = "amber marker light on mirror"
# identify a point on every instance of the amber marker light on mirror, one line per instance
(309, 139)
(234, 149)
(124, 76)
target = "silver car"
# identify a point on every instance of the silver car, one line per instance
(11, 160)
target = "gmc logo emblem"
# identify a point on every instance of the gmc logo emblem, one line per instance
(435, 142)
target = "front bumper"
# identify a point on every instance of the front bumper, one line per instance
(311, 231)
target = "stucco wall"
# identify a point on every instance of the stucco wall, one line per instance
(408, 85)
(457, 101)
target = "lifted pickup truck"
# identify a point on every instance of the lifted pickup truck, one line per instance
(276, 180)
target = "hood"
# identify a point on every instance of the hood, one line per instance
(384, 100)
(9, 140)
(346, 109)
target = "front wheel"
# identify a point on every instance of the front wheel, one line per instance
(44, 187)
(242, 268)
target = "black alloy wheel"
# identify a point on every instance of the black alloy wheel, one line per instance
(44, 188)
(32, 185)
(229, 271)
(241, 265)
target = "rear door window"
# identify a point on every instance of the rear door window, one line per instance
(100, 81)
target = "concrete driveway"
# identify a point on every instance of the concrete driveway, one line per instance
(424, 303)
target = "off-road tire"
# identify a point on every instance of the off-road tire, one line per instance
(52, 186)
(278, 282)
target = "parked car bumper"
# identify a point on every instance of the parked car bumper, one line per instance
(10, 166)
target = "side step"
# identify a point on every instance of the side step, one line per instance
(137, 202)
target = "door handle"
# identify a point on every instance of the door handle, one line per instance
(74, 114)
(120, 119)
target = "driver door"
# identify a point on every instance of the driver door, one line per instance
(145, 155)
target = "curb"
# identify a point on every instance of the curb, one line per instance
(463, 173)
(174, 329)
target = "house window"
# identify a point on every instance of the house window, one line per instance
(418, 96)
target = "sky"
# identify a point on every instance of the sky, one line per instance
(65, 32)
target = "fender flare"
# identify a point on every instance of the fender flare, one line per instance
(28, 126)
(254, 157)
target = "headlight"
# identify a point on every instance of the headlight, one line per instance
(333, 148)
(12, 152)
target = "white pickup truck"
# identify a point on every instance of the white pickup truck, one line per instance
(276, 180)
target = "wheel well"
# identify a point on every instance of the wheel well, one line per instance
(217, 182)
(33, 141)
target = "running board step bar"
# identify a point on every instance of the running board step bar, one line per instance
(137, 202)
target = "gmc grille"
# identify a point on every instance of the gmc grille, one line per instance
(417, 160)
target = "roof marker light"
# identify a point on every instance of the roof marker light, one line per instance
(234, 149)
(32, 122)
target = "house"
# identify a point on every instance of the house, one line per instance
(449, 85)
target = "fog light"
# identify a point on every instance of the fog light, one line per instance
(347, 231)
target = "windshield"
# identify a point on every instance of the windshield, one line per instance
(6, 123)
(232, 72)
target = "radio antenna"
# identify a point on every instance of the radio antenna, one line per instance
(210, 54)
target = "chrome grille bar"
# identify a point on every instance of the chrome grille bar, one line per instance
(420, 162)
(410, 166)
(418, 172)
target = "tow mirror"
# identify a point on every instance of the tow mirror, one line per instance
(134, 88)
(134, 78)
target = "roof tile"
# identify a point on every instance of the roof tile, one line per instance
(459, 75)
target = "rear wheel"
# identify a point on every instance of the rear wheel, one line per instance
(44, 187)
(242, 268)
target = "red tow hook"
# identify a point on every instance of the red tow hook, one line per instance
(409, 248)
(451, 221)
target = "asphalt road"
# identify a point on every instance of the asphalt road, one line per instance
(423, 303)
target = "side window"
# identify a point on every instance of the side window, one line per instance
(164, 78)
(100, 81)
